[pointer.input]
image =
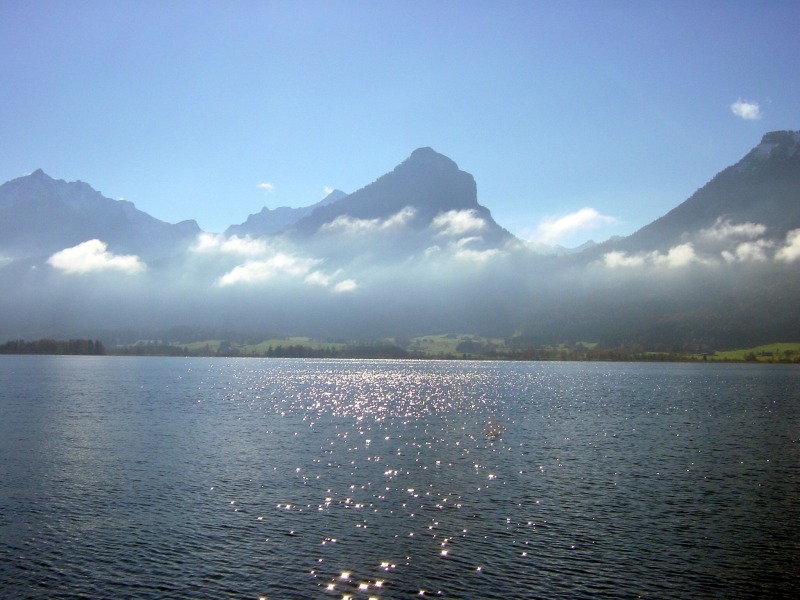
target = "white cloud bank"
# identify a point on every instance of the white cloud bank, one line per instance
(723, 230)
(344, 286)
(552, 230)
(478, 256)
(750, 251)
(348, 224)
(323, 279)
(790, 252)
(93, 256)
(264, 261)
(256, 271)
(749, 111)
(266, 186)
(320, 278)
(676, 257)
(218, 243)
(755, 251)
(456, 223)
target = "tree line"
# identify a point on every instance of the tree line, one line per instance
(50, 346)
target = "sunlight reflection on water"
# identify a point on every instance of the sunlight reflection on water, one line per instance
(298, 479)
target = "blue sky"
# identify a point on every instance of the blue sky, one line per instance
(578, 120)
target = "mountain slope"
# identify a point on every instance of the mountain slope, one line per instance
(762, 188)
(40, 215)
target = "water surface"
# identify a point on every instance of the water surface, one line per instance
(259, 478)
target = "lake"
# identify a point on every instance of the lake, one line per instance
(268, 478)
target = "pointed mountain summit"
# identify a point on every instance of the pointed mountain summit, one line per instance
(269, 222)
(763, 188)
(40, 215)
(426, 185)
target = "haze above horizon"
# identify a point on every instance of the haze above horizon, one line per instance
(577, 121)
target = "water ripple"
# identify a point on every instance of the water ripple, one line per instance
(150, 478)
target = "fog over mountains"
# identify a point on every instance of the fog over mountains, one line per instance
(413, 252)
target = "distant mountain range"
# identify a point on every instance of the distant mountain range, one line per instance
(270, 222)
(40, 215)
(414, 251)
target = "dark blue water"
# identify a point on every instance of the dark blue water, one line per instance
(179, 478)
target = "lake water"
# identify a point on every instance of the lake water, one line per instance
(257, 478)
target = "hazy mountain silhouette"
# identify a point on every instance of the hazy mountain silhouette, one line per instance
(40, 215)
(269, 222)
(413, 252)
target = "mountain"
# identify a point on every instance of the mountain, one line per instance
(719, 270)
(763, 188)
(413, 252)
(423, 191)
(269, 222)
(40, 215)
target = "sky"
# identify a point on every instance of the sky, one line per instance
(579, 120)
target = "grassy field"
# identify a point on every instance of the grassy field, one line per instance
(447, 344)
(783, 351)
(211, 345)
(468, 346)
(261, 348)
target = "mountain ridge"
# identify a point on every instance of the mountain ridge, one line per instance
(271, 221)
(413, 252)
(40, 215)
(763, 187)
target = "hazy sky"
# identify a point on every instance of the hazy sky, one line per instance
(600, 113)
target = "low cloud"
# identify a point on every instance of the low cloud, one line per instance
(552, 230)
(676, 257)
(319, 278)
(93, 256)
(790, 252)
(256, 271)
(478, 256)
(328, 190)
(267, 187)
(265, 261)
(749, 111)
(755, 251)
(616, 260)
(723, 230)
(348, 224)
(456, 223)
(347, 285)
(218, 243)
(323, 279)
(400, 218)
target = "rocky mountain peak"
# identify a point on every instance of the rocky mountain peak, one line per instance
(426, 182)
(775, 145)
(427, 157)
